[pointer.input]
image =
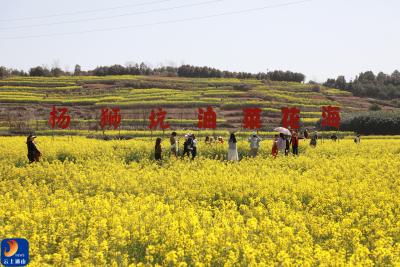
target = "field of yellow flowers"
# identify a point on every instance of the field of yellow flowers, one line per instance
(106, 203)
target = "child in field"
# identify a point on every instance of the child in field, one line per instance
(232, 151)
(158, 150)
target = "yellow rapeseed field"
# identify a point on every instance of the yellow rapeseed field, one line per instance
(106, 203)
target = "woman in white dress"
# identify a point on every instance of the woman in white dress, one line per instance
(232, 151)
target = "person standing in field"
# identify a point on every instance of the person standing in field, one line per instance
(274, 151)
(313, 141)
(232, 150)
(357, 140)
(207, 140)
(33, 153)
(174, 144)
(295, 142)
(254, 141)
(158, 150)
(281, 143)
(187, 146)
(194, 146)
(306, 134)
(287, 147)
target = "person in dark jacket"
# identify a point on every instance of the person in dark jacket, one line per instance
(187, 146)
(313, 141)
(158, 150)
(33, 153)
(306, 134)
(207, 140)
(357, 140)
(287, 148)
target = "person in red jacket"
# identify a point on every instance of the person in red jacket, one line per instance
(275, 146)
(295, 142)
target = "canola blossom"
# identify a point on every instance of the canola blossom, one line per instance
(107, 203)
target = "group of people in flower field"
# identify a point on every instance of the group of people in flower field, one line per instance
(282, 144)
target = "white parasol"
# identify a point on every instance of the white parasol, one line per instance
(283, 130)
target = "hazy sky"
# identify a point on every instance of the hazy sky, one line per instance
(320, 38)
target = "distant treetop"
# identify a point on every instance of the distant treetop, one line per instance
(143, 69)
(367, 84)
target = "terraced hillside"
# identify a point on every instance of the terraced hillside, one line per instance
(27, 101)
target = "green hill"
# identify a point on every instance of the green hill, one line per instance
(27, 101)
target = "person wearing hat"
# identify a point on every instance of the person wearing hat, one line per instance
(33, 153)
